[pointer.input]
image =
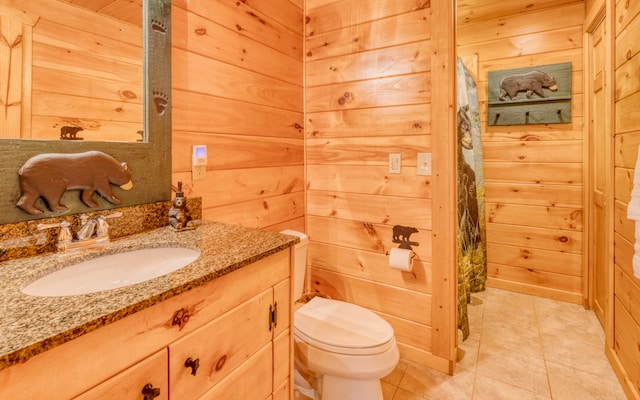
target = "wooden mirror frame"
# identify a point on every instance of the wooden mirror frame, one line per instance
(149, 162)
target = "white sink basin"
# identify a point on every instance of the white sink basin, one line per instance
(112, 271)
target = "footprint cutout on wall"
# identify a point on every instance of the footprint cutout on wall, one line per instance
(160, 100)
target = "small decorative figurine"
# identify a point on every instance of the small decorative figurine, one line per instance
(49, 175)
(179, 216)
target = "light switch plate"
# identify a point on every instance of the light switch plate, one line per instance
(198, 172)
(424, 164)
(395, 163)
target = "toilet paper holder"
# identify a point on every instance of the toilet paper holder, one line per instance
(402, 235)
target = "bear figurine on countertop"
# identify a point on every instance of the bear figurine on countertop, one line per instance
(49, 175)
(530, 82)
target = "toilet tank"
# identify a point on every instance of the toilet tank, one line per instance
(300, 262)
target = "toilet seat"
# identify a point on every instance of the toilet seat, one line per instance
(342, 328)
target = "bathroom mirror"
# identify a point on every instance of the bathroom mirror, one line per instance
(71, 70)
(148, 161)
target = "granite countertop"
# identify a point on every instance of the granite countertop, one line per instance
(30, 325)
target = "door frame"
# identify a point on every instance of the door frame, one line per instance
(601, 12)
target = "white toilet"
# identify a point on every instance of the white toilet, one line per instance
(349, 347)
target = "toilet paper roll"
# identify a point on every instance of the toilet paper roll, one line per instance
(401, 259)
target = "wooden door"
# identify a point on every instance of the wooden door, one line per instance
(599, 168)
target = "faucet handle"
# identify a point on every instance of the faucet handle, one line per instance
(116, 214)
(102, 230)
(64, 236)
(42, 227)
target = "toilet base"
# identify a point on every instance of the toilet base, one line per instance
(337, 388)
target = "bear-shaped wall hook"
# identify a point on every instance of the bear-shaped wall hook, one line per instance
(402, 235)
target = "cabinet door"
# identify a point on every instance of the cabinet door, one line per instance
(282, 344)
(203, 358)
(283, 392)
(252, 380)
(149, 374)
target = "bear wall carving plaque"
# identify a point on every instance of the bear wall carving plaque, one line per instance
(49, 175)
(531, 95)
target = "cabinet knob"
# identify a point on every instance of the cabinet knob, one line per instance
(180, 318)
(193, 364)
(150, 392)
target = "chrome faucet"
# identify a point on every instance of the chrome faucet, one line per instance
(92, 232)
(87, 228)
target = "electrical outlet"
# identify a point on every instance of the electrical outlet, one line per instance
(424, 164)
(395, 163)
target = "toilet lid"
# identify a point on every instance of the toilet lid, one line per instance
(342, 327)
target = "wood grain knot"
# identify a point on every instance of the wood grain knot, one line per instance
(221, 362)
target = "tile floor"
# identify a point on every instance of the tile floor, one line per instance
(521, 348)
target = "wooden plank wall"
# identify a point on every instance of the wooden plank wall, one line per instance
(83, 78)
(627, 139)
(533, 173)
(368, 94)
(238, 89)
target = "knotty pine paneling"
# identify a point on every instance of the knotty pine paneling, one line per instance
(368, 93)
(371, 208)
(390, 300)
(371, 180)
(370, 266)
(533, 173)
(283, 35)
(407, 27)
(238, 88)
(541, 195)
(472, 11)
(626, 321)
(387, 121)
(627, 45)
(536, 238)
(514, 25)
(363, 150)
(365, 236)
(538, 173)
(218, 41)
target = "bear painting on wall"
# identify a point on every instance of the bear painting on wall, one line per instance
(530, 95)
(49, 175)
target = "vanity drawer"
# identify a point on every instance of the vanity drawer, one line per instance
(149, 374)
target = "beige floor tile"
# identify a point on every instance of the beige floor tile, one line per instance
(517, 369)
(468, 355)
(475, 313)
(402, 394)
(562, 350)
(431, 384)
(521, 347)
(486, 388)
(570, 320)
(388, 390)
(522, 339)
(568, 383)
(396, 375)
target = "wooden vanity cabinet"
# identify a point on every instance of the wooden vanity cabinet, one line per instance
(226, 324)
